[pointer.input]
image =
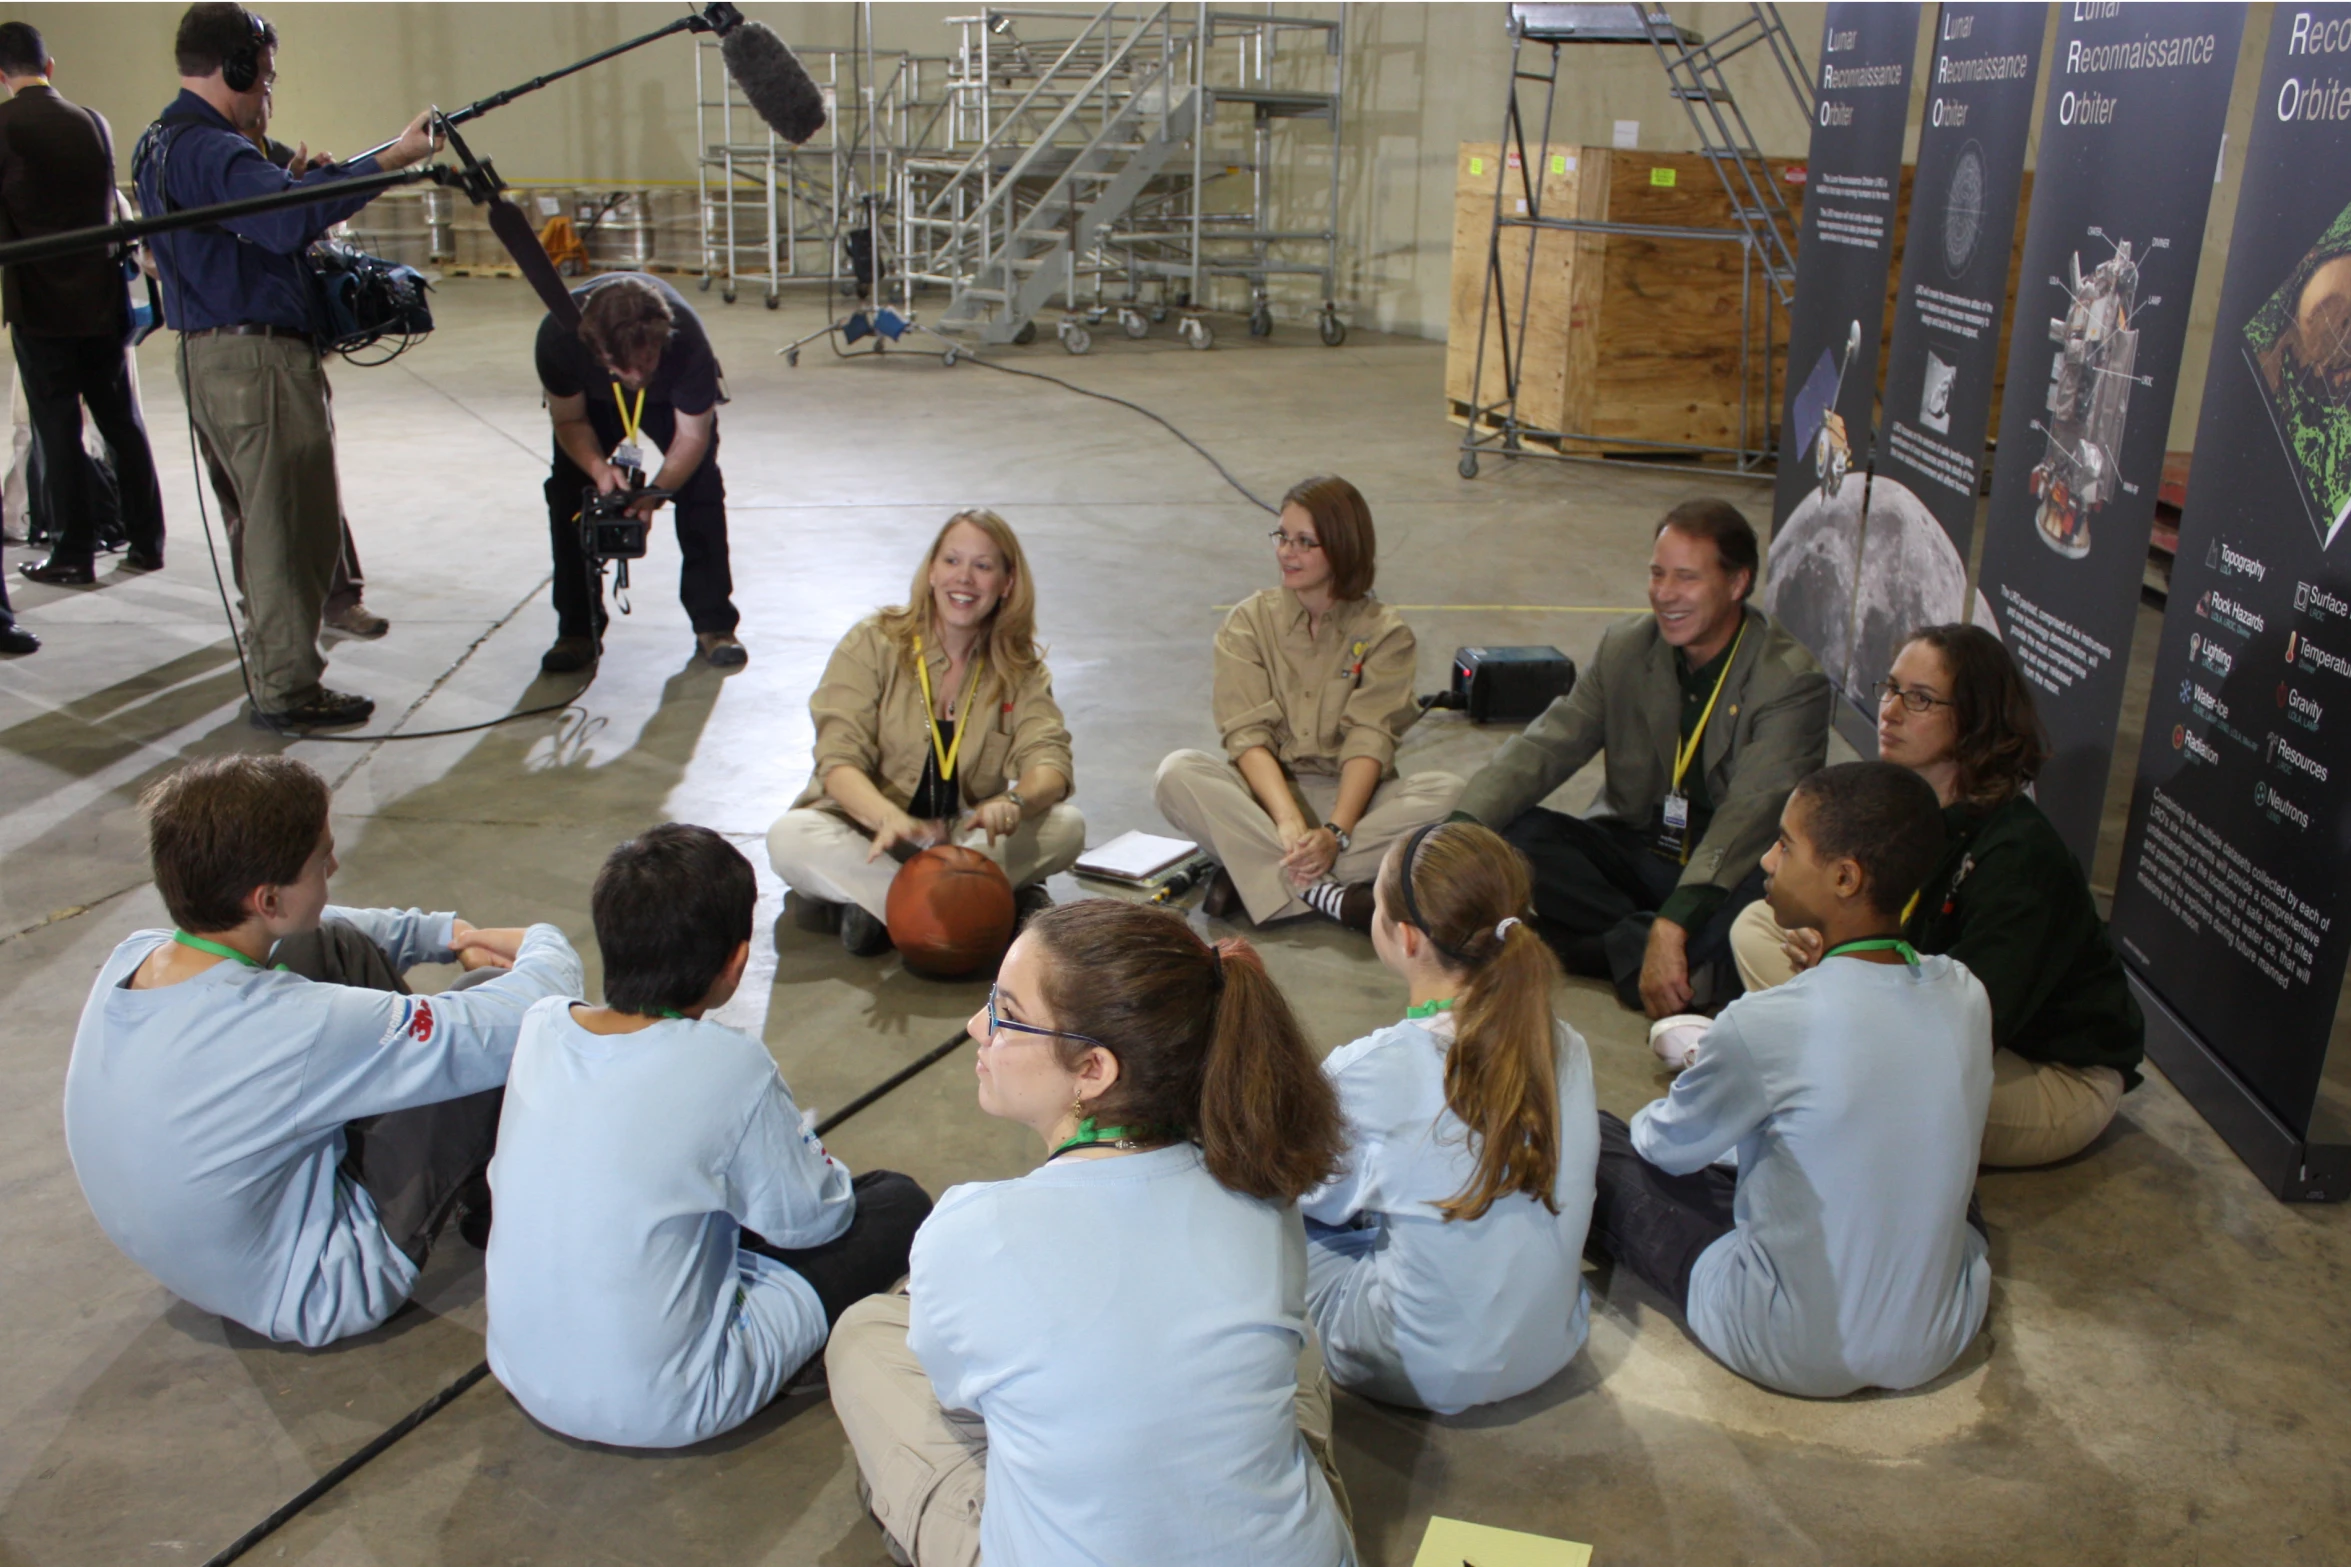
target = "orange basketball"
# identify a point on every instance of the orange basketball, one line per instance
(950, 912)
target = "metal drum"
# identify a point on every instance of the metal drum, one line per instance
(617, 227)
(396, 226)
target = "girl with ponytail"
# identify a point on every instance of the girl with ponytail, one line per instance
(1444, 1265)
(1112, 1351)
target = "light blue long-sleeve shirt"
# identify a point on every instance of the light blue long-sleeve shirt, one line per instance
(1855, 1096)
(621, 1309)
(1420, 1310)
(1129, 1330)
(205, 1119)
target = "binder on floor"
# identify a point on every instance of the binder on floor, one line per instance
(1452, 1543)
(1135, 857)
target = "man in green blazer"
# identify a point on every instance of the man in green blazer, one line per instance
(1706, 714)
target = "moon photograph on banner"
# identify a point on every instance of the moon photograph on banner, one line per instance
(2300, 345)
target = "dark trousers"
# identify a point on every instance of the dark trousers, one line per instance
(1598, 888)
(349, 581)
(423, 1163)
(60, 375)
(1657, 1224)
(868, 1257)
(706, 582)
(1652, 1223)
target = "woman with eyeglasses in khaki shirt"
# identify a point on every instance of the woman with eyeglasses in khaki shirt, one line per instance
(1313, 691)
(935, 723)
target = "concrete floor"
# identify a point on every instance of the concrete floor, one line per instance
(2163, 1372)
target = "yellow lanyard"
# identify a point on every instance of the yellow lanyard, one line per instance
(946, 754)
(1683, 757)
(629, 421)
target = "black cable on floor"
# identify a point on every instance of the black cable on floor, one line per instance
(966, 358)
(448, 1395)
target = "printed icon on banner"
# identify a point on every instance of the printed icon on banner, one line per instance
(2188, 692)
(2179, 736)
(2269, 749)
(2195, 646)
(2281, 693)
(2261, 795)
(1963, 209)
(2090, 381)
(2293, 645)
(1934, 400)
(2301, 595)
(2212, 556)
(2299, 343)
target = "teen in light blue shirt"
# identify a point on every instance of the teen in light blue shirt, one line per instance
(1854, 1097)
(1419, 1300)
(205, 1118)
(672, 1242)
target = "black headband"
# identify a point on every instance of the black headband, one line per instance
(1412, 904)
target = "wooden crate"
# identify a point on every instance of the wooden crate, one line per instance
(1628, 338)
(1632, 339)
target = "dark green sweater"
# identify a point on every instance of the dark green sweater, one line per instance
(2010, 902)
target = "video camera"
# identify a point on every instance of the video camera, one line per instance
(609, 533)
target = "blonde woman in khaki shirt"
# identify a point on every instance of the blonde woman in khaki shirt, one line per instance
(935, 723)
(1313, 690)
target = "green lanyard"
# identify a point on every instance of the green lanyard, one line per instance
(1089, 1135)
(217, 949)
(1428, 1009)
(1894, 944)
(672, 1014)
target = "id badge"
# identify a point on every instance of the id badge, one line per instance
(1673, 831)
(627, 455)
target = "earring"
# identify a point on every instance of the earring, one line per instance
(1077, 1108)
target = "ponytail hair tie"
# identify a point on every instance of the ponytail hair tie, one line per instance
(1503, 929)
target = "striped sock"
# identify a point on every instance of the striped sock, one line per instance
(1325, 897)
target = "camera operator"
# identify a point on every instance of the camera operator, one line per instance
(638, 369)
(249, 359)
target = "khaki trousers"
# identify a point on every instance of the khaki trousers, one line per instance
(927, 1467)
(823, 855)
(261, 405)
(1206, 799)
(2041, 1111)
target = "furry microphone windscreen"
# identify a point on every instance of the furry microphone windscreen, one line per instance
(776, 85)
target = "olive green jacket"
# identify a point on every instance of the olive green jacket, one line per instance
(1770, 728)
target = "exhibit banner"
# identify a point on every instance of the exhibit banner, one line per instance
(1903, 562)
(1843, 256)
(2138, 93)
(2229, 906)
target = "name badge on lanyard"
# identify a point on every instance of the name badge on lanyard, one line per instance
(1673, 828)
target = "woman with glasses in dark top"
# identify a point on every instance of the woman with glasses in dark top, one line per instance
(1313, 691)
(1107, 1360)
(2009, 901)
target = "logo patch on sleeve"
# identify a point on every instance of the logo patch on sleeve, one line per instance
(420, 1023)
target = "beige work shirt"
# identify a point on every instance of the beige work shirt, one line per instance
(1315, 701)
(870, 715)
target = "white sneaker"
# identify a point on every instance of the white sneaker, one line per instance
(1675, 1039)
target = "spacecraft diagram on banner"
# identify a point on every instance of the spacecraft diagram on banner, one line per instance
(2090, 382)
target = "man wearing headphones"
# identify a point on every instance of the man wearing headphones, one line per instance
(249, 359)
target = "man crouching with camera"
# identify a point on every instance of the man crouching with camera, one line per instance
(638, 371)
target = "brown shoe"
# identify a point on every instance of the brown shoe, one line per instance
(1217, 903)
(720, 650)
(357, 620)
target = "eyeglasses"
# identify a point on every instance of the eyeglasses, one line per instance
(1294, 541)
(1913, 699)
(1000, 1025)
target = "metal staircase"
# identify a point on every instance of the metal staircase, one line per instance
(1693, 72)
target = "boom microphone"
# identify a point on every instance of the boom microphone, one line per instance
(777, 86)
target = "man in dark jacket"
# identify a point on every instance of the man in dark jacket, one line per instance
(70, 316)
(249, 355)
(1706, 715)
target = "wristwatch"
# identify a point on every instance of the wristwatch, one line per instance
(1012, 793)
(1340, 833)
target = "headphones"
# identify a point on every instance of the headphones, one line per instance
(240, 67)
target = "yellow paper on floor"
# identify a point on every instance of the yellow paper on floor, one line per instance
(1452, 1543)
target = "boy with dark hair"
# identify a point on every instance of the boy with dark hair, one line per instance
(673, 1241)
(1841, 1254)
(259, 1112)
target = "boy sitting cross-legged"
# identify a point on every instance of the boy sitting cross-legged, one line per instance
(672, 1242)
(260, 1115)
(1841, 1255)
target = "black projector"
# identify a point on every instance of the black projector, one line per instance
(1505, 685)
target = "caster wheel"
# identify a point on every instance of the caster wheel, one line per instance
(1026, 335)
(1134, 324)
(1197, 333)
(792, 357)
(704, 285)
(773, 301)
(728, 296)
(1469, 465)
(1158, 314)
(1261, 322)
(1076, 339)
(1334, 330)
(950, 356)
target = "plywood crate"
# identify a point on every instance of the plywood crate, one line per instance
(1628, 338)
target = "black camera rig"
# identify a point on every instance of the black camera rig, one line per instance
(610, 532)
